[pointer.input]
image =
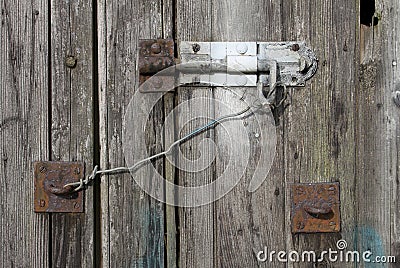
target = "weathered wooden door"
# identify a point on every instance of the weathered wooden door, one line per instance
(68, 72)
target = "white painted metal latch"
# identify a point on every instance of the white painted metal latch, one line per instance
(231, 64)
(246, 63)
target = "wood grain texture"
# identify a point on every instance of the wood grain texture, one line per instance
(196, 225)
(248, 222)
(23, 131)
(171, 228)
(72, 130)
(378, 135)
(343, 126)
(132, 222)
(320, 122)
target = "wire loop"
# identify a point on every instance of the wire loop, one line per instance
(259, 103)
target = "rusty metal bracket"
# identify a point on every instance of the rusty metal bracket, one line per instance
(155, 55)
(50, 193)
(315, 207)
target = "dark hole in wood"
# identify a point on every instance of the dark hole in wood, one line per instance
(367, 13)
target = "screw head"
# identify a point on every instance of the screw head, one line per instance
(76, 205)
(156, 48)
(295, 47)
(70, 62)
(300, 190)
(241, 48)
(77, 171)
(196, 48)
(42, 169)
(42, 203)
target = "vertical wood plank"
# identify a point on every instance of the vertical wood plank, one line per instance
(132, 222)
(322, 154)
(196, 225)
(23, 130)
(248, 222)
(171, 226)
(378, 135)
(72, 131)
(319, 123)
(170, 175)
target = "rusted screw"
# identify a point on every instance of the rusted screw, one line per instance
(42, 169)
(76, 205)
(196, 48)
(299, 191)
(332, 190)
(77, 171)
(332, 225)
(300, 225)
(295, 47)
(70, 62)
(156, 48)
(42, 203)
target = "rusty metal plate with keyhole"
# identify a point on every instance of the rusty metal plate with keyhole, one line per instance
(315, 207)
(50, 193)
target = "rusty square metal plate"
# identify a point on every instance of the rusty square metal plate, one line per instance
(315, 207)
(50, 194)
(155, 55)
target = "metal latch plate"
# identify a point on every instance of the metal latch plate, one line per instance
(50, 194)
(246, 63)
(315, 207)
(155, 55)
(231, 64)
